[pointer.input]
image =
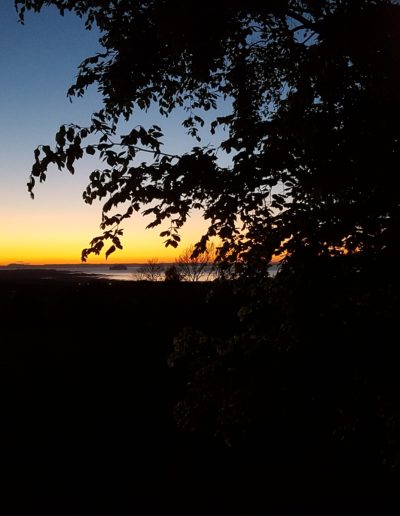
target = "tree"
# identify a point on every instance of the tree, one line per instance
(308, 154)
(151, 271)
(194, 266)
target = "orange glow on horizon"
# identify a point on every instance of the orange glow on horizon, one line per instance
(55, 234)
(61, 249)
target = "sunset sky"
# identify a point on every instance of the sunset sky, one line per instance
(38, 63)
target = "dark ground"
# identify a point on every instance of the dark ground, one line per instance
(87, 401)
(86, 398)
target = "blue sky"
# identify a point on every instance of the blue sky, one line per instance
(38, 63)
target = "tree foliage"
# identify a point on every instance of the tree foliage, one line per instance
(310, 149)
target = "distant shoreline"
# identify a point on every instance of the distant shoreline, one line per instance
(38, 274)
(74, 265)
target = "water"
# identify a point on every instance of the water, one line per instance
(133, 272)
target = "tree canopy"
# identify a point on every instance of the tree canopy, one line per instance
(310, 151)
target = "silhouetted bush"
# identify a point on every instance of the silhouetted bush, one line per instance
(172, 274)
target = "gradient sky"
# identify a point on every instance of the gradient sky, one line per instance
(38, 62)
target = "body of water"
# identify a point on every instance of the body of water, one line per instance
(132, 272)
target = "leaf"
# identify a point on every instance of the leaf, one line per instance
(199, 120)
(70, 167)
(36, 169)
(110, 250)
(70, 134)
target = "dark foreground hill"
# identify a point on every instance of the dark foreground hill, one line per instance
(305, 424)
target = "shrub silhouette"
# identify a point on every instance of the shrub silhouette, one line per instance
(172, 274)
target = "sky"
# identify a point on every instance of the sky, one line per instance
(38, 62)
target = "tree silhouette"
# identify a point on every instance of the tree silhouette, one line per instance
(308, 154)
(151, 271)
(194, 266)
